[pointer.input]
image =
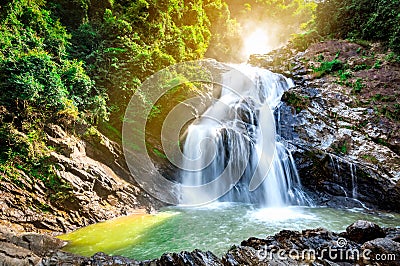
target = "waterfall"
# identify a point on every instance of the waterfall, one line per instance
(346, 183)
(338, 163)
(353, 172)
(232, 150)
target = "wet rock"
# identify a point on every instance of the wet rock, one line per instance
(103, 259)
(100, 259)
(25, 249)
(334, 189)
(346, 150)
(316, 246)
(393, 234)
(362, 231)
(196, 257)
(308, 247)
(381, 251)
(244, 255)
(42, 244)
(60, 258)
(193, 258)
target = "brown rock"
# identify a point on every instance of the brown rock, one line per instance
(383, 251)
(13, 255)
(362, 231)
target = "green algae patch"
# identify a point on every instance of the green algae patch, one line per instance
(112, 235)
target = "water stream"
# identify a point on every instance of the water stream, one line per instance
(215, 227)
(259, 190)
(234, 143)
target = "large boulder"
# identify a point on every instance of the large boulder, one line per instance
(20, 249)
(362, 231)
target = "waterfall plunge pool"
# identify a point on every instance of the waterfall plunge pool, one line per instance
(242, 150)
(215, 227)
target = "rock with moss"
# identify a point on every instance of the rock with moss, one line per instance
(94, 184)
(337, 121)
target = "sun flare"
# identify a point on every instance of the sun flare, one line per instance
(257, 42)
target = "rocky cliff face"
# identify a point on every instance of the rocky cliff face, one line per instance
(98, 186)
(342, 121)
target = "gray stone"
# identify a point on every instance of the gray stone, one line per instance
(335, 136)
(12, 255)
(362, 231)
(382, 251)
(101, 187)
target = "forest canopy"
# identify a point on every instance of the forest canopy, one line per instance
(80, 61)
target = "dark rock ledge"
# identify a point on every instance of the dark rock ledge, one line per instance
(347, 150)
(363, 243)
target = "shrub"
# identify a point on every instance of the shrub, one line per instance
(327, 67)
(301, 41)
(32, 78)
(361, 19)
(357, 85)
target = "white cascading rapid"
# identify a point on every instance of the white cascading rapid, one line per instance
(235, 138)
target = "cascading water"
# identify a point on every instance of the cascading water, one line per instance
(232, 145)
(233, 139)
(339, 163)
(353, 171)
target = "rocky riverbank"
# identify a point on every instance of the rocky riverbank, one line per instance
(98, 186)
(363, 243)
(342, 121)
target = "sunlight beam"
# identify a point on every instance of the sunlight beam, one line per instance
(257, 42)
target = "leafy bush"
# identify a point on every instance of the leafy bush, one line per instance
(33, 68)
(26, 25)
(344, 75)
(33, 78)
(299, 102)
(81, 90)
(301, 41)
(361, 19)
(357, 85)
(327, 67)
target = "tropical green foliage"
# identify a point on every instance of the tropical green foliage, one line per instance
(361, 19)
(38, 84)
(327, 67)
(34, 69)
(132, 40)
(70, 61)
